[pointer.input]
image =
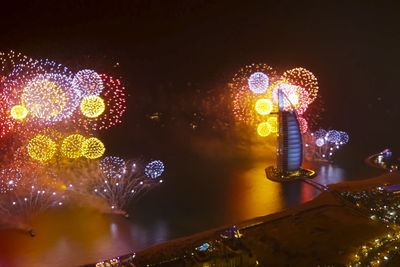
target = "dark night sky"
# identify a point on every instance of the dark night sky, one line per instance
(351, 46)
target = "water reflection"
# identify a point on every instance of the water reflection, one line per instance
(330, 174)
(238, 192)
(114, 230)
(252, 195)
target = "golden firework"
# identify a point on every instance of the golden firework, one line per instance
(264, 129)
(41, 148)
(273, 124)
(303, 78)
(71, 146)
(92, 148)
(264, 106)
(92, 106)
(19, 112)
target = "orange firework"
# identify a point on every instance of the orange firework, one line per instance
(303, 78)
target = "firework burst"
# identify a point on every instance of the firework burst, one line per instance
(88, 82)
(9, 61)
(9, 179)
(52, 151)
(244, 108)
(241, 78)
(7, 123)
(322, 144)
(26, 200)
(120, 182)
(303, 78)
(154, 169)
(254, 92)
(295, 96)
(114, 106)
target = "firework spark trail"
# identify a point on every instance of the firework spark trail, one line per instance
(114, 98)
(124, 187)
(52, 151)
(31, 196)
(321, 145)
(117, 182)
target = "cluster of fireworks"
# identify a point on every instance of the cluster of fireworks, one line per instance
(321, 145)
(254, 90)
(255, 96)
(25, 192)
(120, 182)
(49, 116)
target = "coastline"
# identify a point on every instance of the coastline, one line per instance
(322, 231)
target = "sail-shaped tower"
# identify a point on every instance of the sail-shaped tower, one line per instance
(289, 147)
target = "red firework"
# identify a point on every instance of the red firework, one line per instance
(303, 78)
(6, 121)
(114, 97)
(303, 101)
(303, 124)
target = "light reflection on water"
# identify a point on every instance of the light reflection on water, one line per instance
(254, 195)
(328, 174)
(74, 237)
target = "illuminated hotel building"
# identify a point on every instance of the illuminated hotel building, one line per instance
(290, 145)
(289, 148)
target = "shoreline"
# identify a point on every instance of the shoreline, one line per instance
(330, 228)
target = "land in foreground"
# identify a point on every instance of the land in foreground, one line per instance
(332, 229)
